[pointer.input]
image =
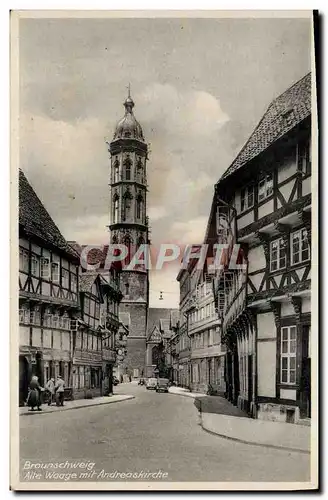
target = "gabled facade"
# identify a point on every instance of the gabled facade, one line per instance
(263, 203)
(158, 354)
(95, 345)
(48, 293)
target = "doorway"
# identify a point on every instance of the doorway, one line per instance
(23, 379)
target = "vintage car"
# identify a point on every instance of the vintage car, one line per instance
(151, 384)
(162, 385)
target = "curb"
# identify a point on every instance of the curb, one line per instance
(75, 407)
(253, 443)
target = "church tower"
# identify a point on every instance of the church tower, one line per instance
(129, 226)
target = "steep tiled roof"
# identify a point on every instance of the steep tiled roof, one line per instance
(36, 221)
(96, 255)
(283, 114)
(86, 281)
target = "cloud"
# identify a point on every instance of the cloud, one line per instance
(182, 111)
(191, 231)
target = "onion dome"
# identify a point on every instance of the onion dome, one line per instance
(128, 127)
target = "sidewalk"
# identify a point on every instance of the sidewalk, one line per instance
(78, 403)
(180, 391)
(218, 416)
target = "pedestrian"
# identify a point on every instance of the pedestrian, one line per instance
(50, 386)
(34, 395)
(59, 389)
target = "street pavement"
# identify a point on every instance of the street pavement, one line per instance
(152, 432)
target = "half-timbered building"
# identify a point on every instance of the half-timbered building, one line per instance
(204, 329)
(263, 203)
(48, 293)
(94, 349)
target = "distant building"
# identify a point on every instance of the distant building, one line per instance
(48, 294)
(263, 202)
(161, 327)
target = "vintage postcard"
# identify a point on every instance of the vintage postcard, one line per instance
(164, 239)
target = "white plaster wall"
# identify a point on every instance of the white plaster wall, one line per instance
(45, 288)
(36, 337)
(266, 366)
(306, 305)
(287, 169)
(245, 220)
(47, 338)
(36, 249)
(23, 243)
(287, 309)
(237, 201)
(286, 189)
(256, 259)
(266, 209)
(256, 280)
(65, 340)
(24, 335)
(306, 186)
(266, 327)
(57, 339)
(288, 394)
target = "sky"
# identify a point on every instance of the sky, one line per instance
(200, 86)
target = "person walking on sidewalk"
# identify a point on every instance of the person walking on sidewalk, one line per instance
(34, 395)
(59, 388)
(50, 386)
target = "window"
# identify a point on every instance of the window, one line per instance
(277, 254)
(116, 170)
(116, 209)
(55, 272)
(288, 355)
(246, 198)
(300, 249)
(55, 321)
(210, 337)
(304, 157)
(265, 188)
(139, 207)
(47, 319)
(73, 282)
(35, 318)
(35, 265)
(23, 260)
(45, 268)
(127, 164)
(86, 305)
(139, 171)
(65, 278)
